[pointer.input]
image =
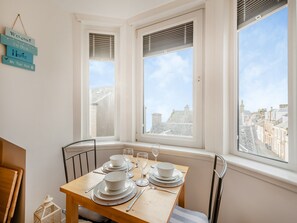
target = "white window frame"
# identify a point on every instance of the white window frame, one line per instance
(85, 81)
(292, 93)
(198, 69)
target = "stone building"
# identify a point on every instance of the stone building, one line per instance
(179, 123)
(102, 111)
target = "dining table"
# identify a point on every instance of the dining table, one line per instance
(153, 206)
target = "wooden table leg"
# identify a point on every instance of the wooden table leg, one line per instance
(71, 210)
(181, 199)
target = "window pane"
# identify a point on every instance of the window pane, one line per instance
(102, 92)
(263, 87)
(168, 93)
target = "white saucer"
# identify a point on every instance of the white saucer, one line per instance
(114, 202)
(154, 181)
(103, 188)
(175, 180)
(107, 167)
(176, 174)
(110, 166)
(124, 194)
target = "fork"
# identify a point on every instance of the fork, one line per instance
(161, 189)
(91, 188)
(99, 172)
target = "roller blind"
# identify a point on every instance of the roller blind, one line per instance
(101, 46)
(170, 39)
(251, 10)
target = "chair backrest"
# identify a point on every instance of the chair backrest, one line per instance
(216, 189)
(79, 158)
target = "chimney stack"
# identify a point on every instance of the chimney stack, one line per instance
(156, 119)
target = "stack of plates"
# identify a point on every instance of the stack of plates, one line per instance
(175, 180)
(107, 167)
(101, 195)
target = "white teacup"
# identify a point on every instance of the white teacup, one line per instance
(165, 169)
(115, 180)
(116, 160)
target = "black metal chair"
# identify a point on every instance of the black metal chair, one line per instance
(180, 214)
(80, 158)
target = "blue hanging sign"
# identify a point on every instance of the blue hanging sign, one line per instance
(19, 54)
(17, 63)
(21, 37)
(6, 40)
(20, 48)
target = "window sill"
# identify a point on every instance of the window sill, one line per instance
(274, 175)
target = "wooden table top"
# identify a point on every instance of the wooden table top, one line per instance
(152, 206)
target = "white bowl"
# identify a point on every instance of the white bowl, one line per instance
(115, 180)
(116, 160)
(165, 169)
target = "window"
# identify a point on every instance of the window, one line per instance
(263, 77)
(101, 85)
(170, 72)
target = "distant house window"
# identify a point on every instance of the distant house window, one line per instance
(101, 84)
(263, 79)
(169, 64)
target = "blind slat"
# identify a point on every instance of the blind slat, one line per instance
(248, 10)
(177, 37)
(101, 46)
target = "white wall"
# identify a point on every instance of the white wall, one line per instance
(36, 107)
(36, 112)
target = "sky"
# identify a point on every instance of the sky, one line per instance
(168, 83)
(263, 62)
(102, 74)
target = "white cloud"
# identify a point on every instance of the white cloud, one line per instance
(170, 67)
(101, 73)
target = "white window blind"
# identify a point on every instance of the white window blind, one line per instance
(178, 37)
(251, 10)
(101, 46)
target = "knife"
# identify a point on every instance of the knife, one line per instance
(135, 199)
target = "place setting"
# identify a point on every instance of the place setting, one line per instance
(165, 175)
(114, 189)
(119, 162)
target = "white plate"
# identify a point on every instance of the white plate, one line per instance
(103, 188)
(175, 184)
(175, 180)
(114, 202)
(107, 167)
(114, 197)
(165, 181)
(176, 174)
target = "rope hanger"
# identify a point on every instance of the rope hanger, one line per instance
(19, 17)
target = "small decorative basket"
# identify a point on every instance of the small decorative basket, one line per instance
(48, 212)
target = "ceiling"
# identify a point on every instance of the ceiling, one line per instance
(122, 9)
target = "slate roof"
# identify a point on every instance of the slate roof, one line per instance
(179, 123)
(97, 94)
